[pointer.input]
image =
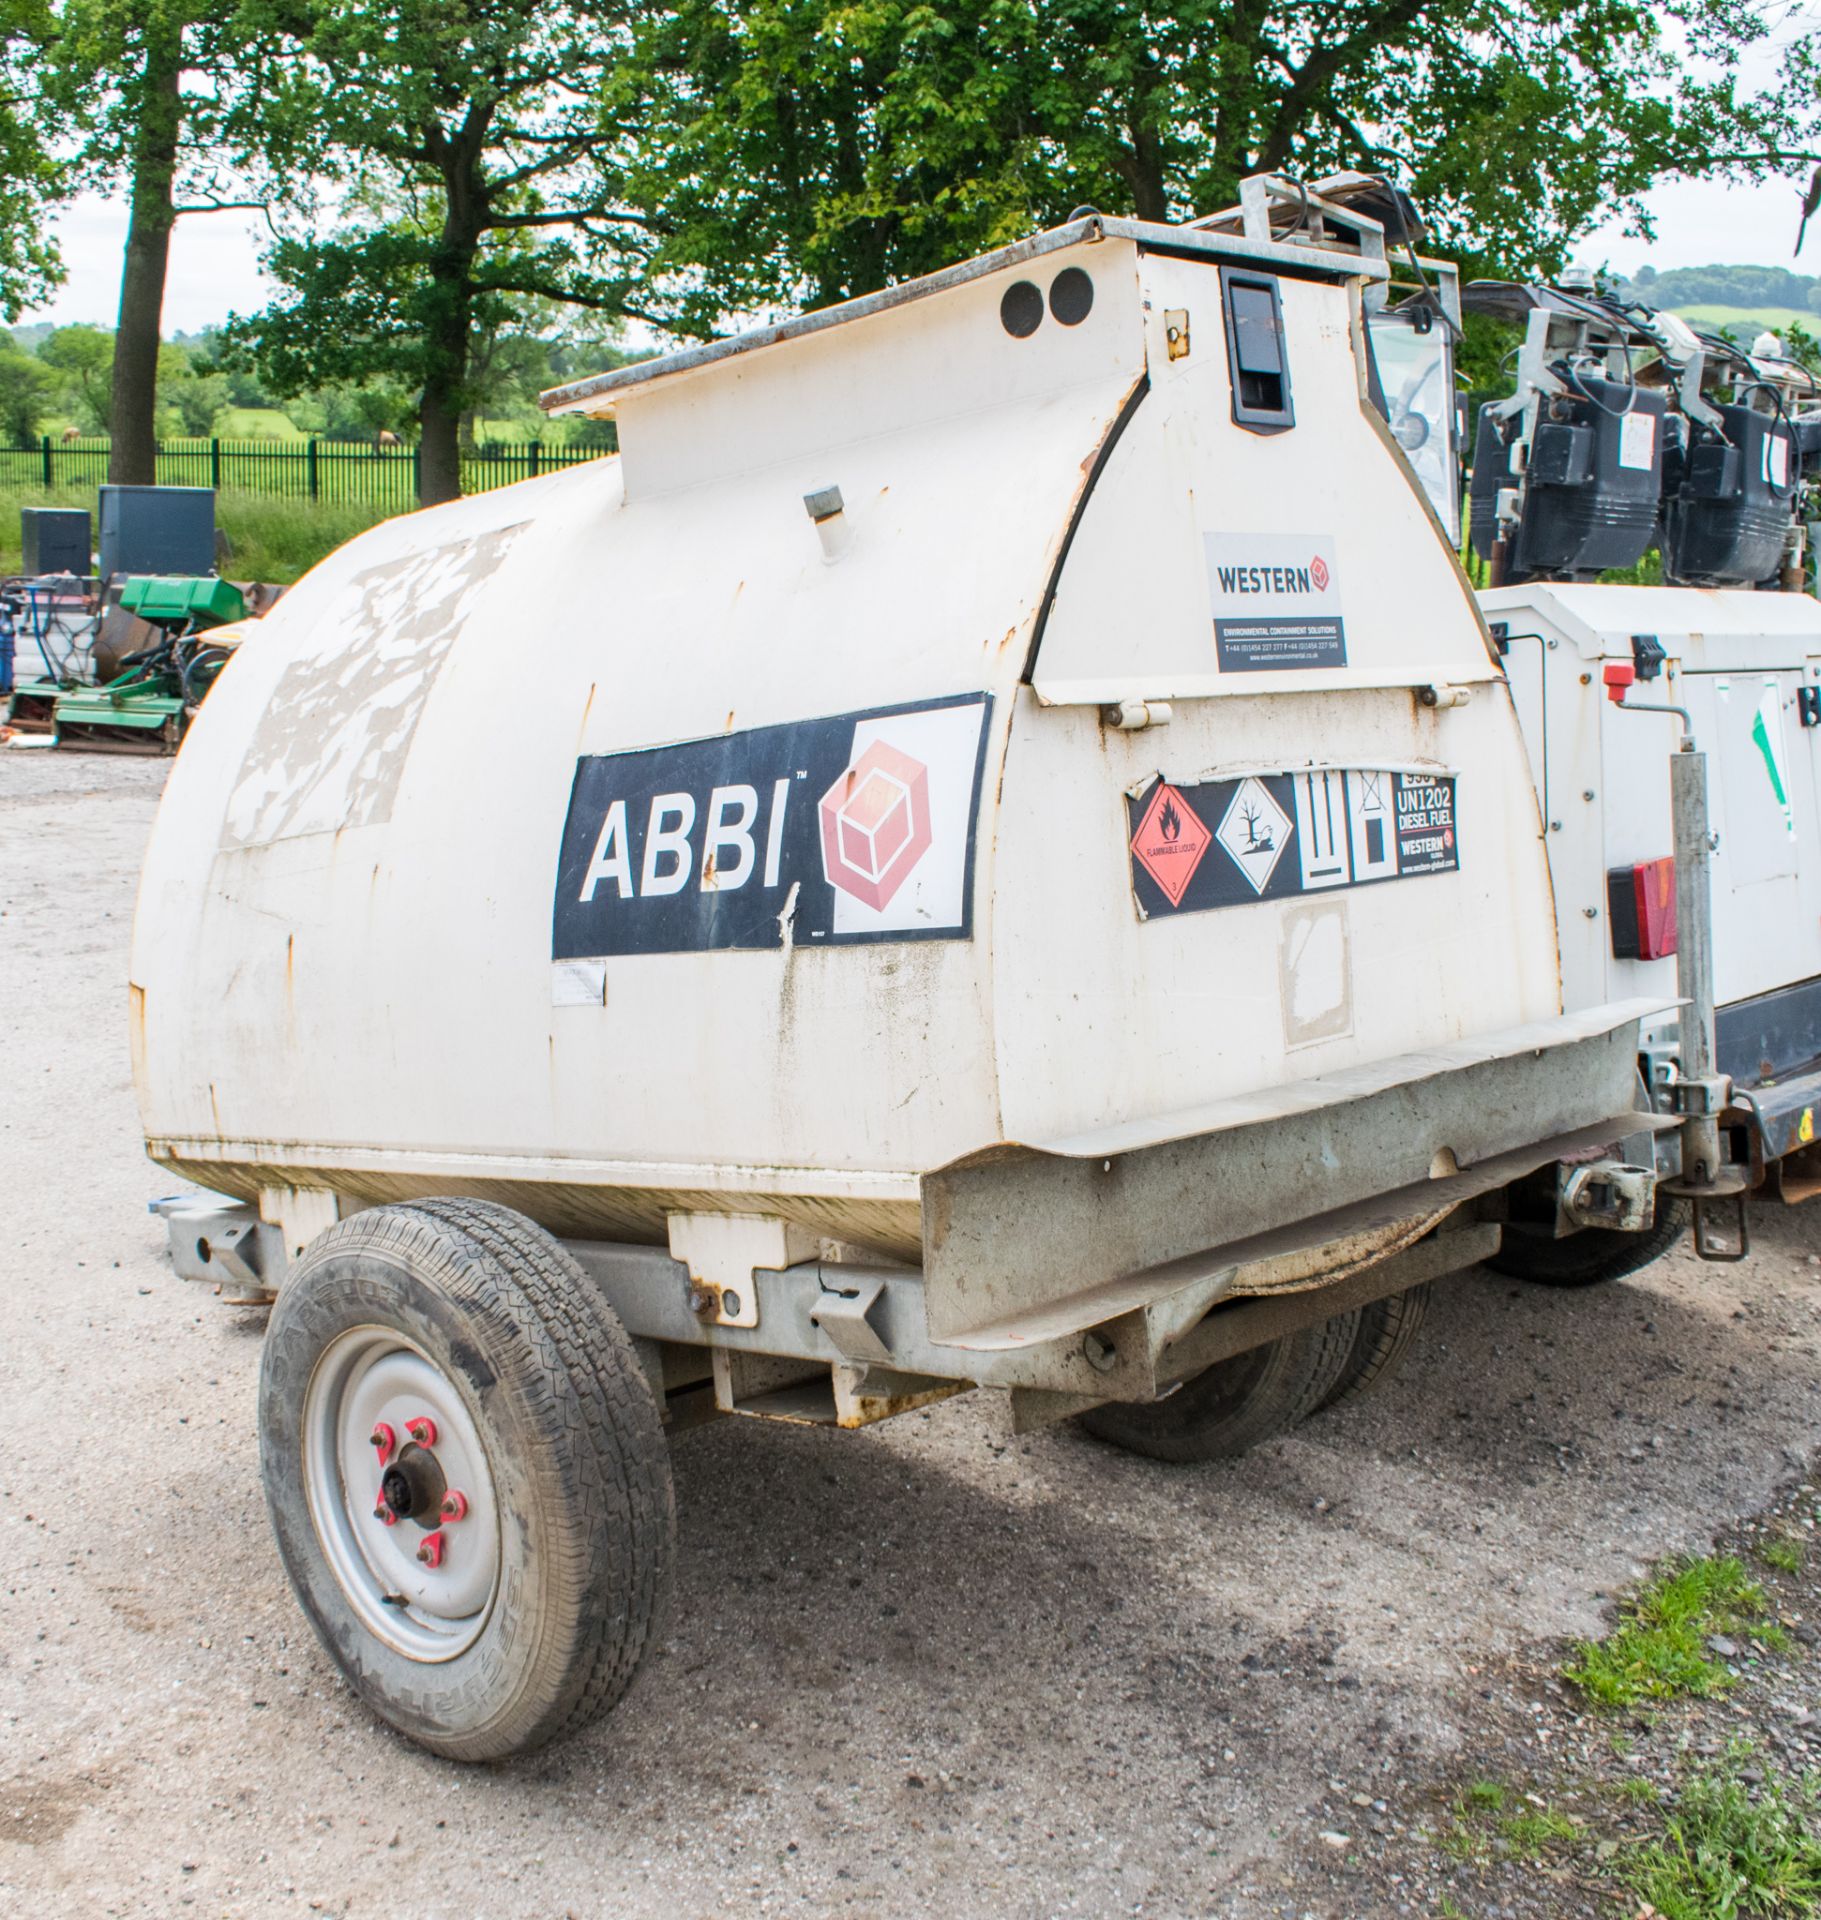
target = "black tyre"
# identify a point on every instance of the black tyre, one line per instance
(1236, 1403)
(448, 1364)
(1594, 1254)
(201, 670)
(1386, 1330)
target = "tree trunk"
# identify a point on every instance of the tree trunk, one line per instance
(133, 402)
(1150, 194)
(439, 411)
(439, 453)
(449, 323)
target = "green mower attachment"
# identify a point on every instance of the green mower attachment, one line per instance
(147, 706)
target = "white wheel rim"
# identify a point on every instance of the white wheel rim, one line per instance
(372, 1381)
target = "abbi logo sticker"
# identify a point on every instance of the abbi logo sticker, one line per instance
(853, 827)
(875, 824)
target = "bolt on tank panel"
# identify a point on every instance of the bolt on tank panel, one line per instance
(1035, 332)
(1219, 560)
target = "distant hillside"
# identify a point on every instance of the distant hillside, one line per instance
(1753, 288)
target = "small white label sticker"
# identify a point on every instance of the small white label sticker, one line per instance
(1776, 459)
(1637, 439)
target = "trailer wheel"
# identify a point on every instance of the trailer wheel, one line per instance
(1386, 1330)
(467, 1475)
(1237, 1402)
(1594, 1254)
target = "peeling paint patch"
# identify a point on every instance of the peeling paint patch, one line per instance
(330, 750)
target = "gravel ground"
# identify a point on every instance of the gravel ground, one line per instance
(927, 1667)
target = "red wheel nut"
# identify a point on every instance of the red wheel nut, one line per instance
(455, 1505)
(384, 1441)
(384, 1515)
(431, 1552)
(422, 1430)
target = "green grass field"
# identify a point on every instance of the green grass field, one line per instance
(256, 423)
(1748, 322)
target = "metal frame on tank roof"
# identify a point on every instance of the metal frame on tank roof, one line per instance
(596, 394)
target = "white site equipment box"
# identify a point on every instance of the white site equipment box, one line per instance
(1747, 668)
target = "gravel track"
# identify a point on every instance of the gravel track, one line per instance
(926, 1668)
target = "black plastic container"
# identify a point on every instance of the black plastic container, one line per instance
(157, 530)
(1728, 500)
(56, 540)
(1595, 475)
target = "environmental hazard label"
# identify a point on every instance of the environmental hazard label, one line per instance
(1255, 830)
(1196, 845)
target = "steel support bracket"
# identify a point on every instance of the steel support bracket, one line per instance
(1707, 1247)
(842, 1313)
(1707, 1094)
(1607, 1194)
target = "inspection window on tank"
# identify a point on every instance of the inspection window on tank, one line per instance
(1256, 352)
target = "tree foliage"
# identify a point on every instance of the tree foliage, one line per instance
(178, 104)
(82, 358)
(811, 150)
(32, 177)
(476, 140)
(27, 386)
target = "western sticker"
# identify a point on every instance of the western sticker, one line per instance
(1276, 601)
(854, 827)
(1197, 845)
(1425, 825)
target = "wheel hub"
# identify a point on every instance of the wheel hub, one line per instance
(389, 1437)
(413, 1487)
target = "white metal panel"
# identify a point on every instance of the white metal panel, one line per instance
(949, 357)
(1133, 616)
(1149, 1016)
(1723, 646)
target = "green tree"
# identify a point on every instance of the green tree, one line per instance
(811, 150)
(478, 141)
(26, 387)
(183, 104)
(31, 177)
(82, 361)
(190, 392)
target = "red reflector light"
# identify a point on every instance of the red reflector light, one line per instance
(1642, 903)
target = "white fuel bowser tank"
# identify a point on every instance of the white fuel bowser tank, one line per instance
(745, 823)
(1006, 776)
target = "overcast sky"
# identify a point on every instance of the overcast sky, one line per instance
(215, 257)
